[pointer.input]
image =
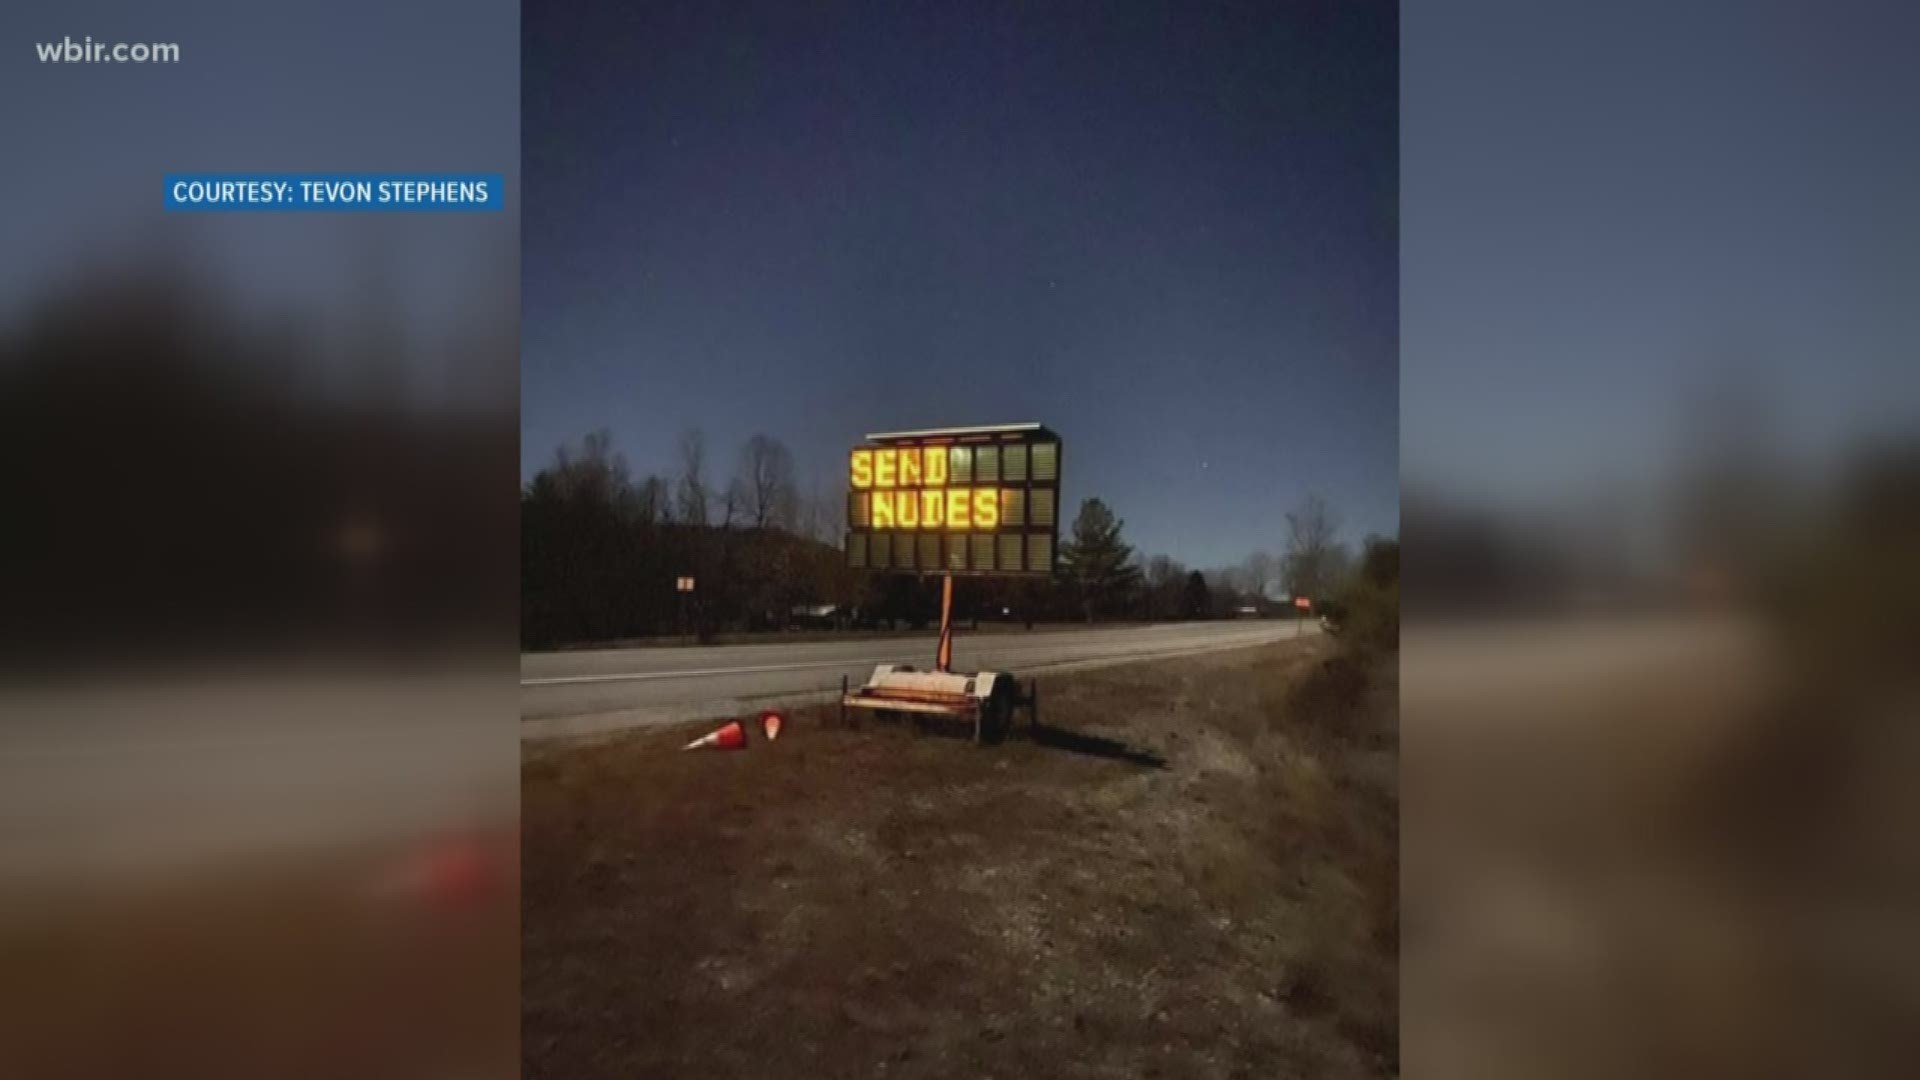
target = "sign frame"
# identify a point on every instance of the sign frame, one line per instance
(971, 552)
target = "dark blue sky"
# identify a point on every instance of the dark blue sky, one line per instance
(1170, 233)
(348, 86)
(1617, 214)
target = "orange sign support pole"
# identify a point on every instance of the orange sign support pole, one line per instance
(943, 659)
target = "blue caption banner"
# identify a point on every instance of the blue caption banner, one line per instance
(352, 193)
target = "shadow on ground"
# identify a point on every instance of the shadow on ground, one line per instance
(1095, 746)
(1052, 738)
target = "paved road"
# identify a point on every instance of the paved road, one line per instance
(589, 692)
(150, 774)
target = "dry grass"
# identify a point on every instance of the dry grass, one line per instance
(289, 971)
(1653, 851)
(1191, 871)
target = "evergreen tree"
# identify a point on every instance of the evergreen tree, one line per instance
(1096, 563)
(1199, 600)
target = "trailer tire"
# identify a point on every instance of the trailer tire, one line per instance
(996, 716)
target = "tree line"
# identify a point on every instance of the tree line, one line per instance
(603, 550)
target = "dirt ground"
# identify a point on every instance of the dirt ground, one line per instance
(1654, 849)
(1190, 870)
(350, 965)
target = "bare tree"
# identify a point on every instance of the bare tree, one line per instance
(820, 514)
(1162, 571)
(767, 494)
(691, 489)
(596, 473)
(1166, 581)
(733, 502)
(654, 503)
(1262, 569)
(1314, 556)
(1229, 583)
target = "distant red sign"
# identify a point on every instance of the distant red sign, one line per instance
(1303, 603)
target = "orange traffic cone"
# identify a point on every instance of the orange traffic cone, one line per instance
(731, 737)
(770, 724)
(458, 873)
(448, 873)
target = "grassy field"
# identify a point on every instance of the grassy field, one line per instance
(1190, 870)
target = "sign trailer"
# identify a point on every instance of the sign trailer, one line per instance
(969, 502)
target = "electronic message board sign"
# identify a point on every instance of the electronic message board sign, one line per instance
(975, 500)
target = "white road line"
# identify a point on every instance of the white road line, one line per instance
(1066, 655)
(201, 743)
(642, 676)
(595, 724)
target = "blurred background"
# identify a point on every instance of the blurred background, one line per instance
(1660, 455)
(1661, 468)
(258, 690)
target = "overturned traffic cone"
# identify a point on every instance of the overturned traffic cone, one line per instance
(731, 737)
(449, 873)
(770, 724)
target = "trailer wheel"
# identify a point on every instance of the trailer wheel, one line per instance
(996, 716)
